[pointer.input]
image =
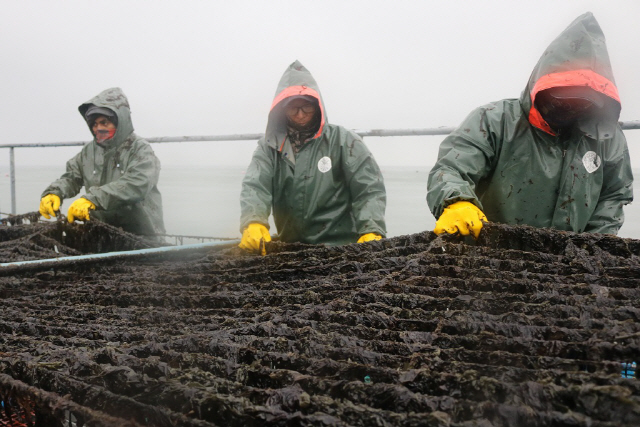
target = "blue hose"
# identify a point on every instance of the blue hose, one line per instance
(121, 253)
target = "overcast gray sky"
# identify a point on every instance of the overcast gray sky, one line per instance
(211, 67)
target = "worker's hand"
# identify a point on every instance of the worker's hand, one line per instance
(79, 210)
(368, 237)
(254, 237)
(464, 217)
(49, 205)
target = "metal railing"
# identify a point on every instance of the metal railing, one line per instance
(626, 125)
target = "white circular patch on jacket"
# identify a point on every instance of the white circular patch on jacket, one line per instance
(591, 161)
(324, 164)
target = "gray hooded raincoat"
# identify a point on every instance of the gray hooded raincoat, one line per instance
(506, 160)
(120, 176)
(331, 191)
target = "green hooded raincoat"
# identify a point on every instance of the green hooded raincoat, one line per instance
(506, 160)
(120, 176)
(331, 191)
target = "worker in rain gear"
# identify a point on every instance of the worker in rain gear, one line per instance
(118, 170)
(321, 181)
(554, 158)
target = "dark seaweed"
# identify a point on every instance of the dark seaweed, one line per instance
(31, 241)
(523, 327)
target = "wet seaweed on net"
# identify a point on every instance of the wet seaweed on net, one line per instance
(520, 327)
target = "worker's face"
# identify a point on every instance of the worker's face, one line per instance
(300, 111)
(562, 112)
(103, 128)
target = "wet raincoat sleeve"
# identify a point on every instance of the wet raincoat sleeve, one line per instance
(366, 185)
(257, 188)
(70, 183)
(465, 157)
(617, 191)
(136, 182)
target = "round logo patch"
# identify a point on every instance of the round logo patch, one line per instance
(324, 164)
(591, 161)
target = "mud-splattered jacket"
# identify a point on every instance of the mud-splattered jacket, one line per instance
(506, 159)
(331, 191)
(120, 176)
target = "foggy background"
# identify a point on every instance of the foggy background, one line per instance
(211, 68)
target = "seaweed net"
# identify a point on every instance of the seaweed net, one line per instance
(23, 238)
(523, 327)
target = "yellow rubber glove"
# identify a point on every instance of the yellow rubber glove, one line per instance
(79, 210)
(464, 217)
(254, 237)
(368, 237)
(49, 205)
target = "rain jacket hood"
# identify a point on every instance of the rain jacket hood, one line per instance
(296, 81)
(506, 159)
(330, 191)
(115, 100)
(577, 57)
(120, 175)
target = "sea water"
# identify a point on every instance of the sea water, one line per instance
(204, 200)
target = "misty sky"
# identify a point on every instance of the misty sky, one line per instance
(211, 67)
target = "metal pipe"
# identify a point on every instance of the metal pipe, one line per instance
(44, 144)
(405, 132)
(185, 236)
(12, 173)
(632, 124)
(445, 130)
(236, 137)
(51, 262)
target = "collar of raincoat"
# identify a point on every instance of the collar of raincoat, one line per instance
(577, 57)
(296, 81)
(115, 100)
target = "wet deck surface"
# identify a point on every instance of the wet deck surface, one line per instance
(524, 327)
